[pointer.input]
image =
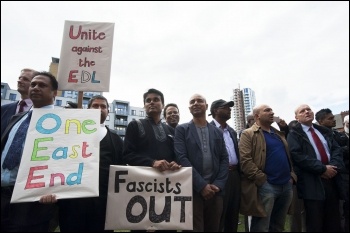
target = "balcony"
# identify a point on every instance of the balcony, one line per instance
(119, 122)
(121, 132)
(121, 112)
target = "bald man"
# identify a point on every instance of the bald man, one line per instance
(267, 170)
(201, 145)
(317, 158)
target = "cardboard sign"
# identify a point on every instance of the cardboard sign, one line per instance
(60, 155)
(142, 198)
(86, 56)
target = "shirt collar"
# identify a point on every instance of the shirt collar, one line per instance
(28, 101)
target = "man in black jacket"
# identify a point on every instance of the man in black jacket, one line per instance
(89, 214)
(325, 118)
(317, 159)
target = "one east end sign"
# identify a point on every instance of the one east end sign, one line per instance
(142, 198)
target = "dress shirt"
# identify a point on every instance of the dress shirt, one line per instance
(102, 132)
(8, 177)
(230, 147)
(28, 105)
(323, 140)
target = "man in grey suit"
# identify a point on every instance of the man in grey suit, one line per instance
(201, 146)
(221, 112)
(8, 110)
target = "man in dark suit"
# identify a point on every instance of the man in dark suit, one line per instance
(201, 146)
(221, 112)
(325, 118)
(8, 110)
(28, 216)
(89, 214)
(317, 160)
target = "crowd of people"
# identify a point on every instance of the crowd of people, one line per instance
(300, 169)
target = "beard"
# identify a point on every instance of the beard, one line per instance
(346, 129)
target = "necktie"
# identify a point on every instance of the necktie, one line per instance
(22, 103)
(319, 145)
(14, 153)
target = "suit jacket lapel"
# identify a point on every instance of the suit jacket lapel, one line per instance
(212, 137)
(194, 134)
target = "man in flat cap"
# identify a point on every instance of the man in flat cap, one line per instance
(221, 113)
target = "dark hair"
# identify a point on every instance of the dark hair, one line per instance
(154, 91)
(52, 78)
(169, 105)
(292, 124)
(97, 97)
(320, 115)
(72, 104)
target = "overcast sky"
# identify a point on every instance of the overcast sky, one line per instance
(289, 53)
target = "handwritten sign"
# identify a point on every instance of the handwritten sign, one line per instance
(86, 56)
(60, 155)
(142, 198)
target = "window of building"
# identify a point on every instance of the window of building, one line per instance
(58, 102)
(12, 96)
(142, 113)
(133, 112)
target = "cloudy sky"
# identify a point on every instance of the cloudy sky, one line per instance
(289, 53)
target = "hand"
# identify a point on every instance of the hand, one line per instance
(330, 172)
(174, 166)
(282, 123)
(207, 192)
(214, 188)
(48, 199)
(162, 165)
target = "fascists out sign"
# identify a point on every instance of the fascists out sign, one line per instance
(142, 198)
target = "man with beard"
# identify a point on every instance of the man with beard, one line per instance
(89, 214)
(267, 173)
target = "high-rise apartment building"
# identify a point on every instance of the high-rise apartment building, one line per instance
(244, 103)
(249, 100)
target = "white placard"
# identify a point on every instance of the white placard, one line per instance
(86, 56)
(142, 198)
(60, 155)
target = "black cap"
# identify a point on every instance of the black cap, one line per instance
(71, 105)
(220, 103)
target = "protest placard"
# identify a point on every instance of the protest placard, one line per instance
(142, 198)
(60, 155)
(86, 56)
